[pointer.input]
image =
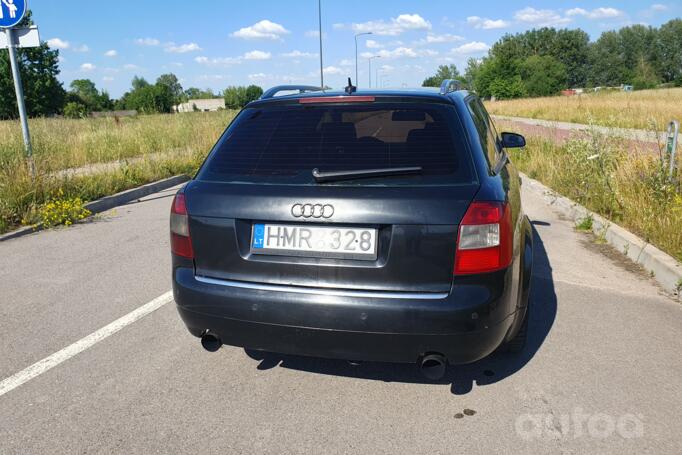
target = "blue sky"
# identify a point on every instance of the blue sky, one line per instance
(220, 43)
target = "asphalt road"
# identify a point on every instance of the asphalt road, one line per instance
(601, 374)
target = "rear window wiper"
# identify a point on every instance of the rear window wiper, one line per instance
(333, 176)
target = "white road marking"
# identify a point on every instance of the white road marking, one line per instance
(81, 345)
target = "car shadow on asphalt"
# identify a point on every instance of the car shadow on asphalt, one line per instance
(461, 378)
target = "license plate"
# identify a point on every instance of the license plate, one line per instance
(314, 241)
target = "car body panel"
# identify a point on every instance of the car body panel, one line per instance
(405, 303)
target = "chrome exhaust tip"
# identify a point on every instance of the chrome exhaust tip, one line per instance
(433, 366)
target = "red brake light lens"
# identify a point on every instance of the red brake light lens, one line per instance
(484, 243)
(181, 242)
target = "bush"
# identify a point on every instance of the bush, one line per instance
(503, 89)
(75, 110)
(543, 75)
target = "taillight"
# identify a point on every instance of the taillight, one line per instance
(181, 243)
(485, 239)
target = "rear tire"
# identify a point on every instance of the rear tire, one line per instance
(517, 343)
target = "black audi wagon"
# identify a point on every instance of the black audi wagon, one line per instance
(361, 225)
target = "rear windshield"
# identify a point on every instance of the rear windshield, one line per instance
(283, 144)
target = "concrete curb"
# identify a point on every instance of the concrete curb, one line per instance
(109, 202)
(666, 270)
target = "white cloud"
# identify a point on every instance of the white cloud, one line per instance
(387, 68)
(371, 44)
(225, 61)
(87, 67)
(314, 34)
(264, 29)
(659, 7)
(346, 62)
(257, 76)
(298, 54)
(130, 66)
(401, 52)
(147, 42)
(540, 17)
(107, 78)
(257, 55)
(219, 61)
(395, 26)
(81, 48)
(57, 43)
(111, 53)
(331, 70)
(182, 48)
(597, 13)
(485, 23)
(474, 47)
(433, 38)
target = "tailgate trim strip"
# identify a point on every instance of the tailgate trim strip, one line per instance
(324, 291)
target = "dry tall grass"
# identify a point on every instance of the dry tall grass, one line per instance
(643, 109)
(632, 190)
(63, 143)
(151, 147)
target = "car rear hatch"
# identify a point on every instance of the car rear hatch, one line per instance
(258, 215)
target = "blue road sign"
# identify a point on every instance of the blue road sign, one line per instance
(11, 12)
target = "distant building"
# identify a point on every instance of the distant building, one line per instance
(205, 105)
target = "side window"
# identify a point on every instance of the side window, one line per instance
(486, 131)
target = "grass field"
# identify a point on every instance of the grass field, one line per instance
(151, 147)
(645, 109)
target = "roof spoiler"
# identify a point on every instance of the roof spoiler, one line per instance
(450, 85)
(270, 93)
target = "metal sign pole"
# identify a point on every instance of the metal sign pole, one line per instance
(20, 99)
(319, 17)
(673, 131)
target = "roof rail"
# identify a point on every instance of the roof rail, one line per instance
(450, 85)
(270, 93)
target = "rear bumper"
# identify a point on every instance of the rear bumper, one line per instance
(465, 325)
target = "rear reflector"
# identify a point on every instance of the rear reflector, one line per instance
(485, 239)
(336, 99)
(181, 242)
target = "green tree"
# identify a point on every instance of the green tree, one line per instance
(253, 92)
(235, 97)
(572, 48)
(171, 81)
(194, 93)
(507, 88)
(39, 68)
(150, 99)
(75, 110)
(607, 67)
(139, 82)
(543, 75)
(645, 76)
(669, 46)
(443, 72)
(472, 72)
(84, 92)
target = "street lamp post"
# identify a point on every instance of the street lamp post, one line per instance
(356, 55)
(370, 68)
(319, 16)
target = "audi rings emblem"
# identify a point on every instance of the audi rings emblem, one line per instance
(312, 210)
